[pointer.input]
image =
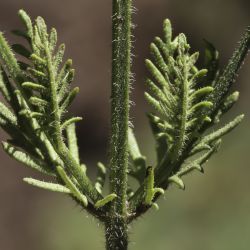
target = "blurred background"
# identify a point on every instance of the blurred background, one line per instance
(214, 211)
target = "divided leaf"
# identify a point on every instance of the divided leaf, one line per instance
(176, 94)
(186, 102)
(38, 93)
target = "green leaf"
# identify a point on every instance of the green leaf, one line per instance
(42, 29)
(38, 102)
(175, 94)
(156, 73)
(195, 164)
(6, 114)
(27, 160)
(72, 141)
(38, 60)
(167, 30)
(72, 187)
(70, 121)
(59, 56)
(107, 199)
(69, 99)
(33, 86)
(9, 59)
(64, 74)
(41, 87)
(150, 190)
(154, 103)
(27, 22)
(53, 39)
(36, 73)
(201, 92)
(210, 138)
(47, 185)
(5, 87)
(159, 59)
(177, 180)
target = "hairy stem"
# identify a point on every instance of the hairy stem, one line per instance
(116, 225)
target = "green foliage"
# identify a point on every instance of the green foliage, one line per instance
(38, 93)
(72, 187)
(186, 101)
(150, 190)
(47, 185)
(105, 200)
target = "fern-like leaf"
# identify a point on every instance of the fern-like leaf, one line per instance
(186, 102)
(176, 93)
(38, 92)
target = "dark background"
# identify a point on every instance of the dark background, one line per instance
(213, 213)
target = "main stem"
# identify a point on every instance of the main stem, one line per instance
(116, 224)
